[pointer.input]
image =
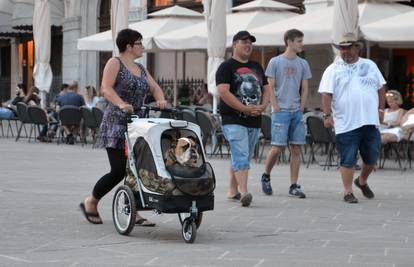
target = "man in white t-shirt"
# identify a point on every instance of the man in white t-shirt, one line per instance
(353, 98)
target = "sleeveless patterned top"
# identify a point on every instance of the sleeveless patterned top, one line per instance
(131, 89)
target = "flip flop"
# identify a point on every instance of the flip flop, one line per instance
(89, 216)
(235, 198)
(145, 223)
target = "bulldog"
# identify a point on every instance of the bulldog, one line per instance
(184, 153)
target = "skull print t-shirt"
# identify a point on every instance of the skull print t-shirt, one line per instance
(246, 82)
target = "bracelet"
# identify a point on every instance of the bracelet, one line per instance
(381, 110)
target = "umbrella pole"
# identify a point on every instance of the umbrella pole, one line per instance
(175, 78)
(43, 101)
(262, 56)
(368, 49)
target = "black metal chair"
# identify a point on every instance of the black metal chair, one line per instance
(69, 116)
(9, 121)
(266, 137)
(322, 136)
(408, 143)
(38, 117)
(189, 115)
(211, 131)
(24, 119)
(98, 114)
(89, 122)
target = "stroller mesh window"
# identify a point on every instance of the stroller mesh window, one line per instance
(147, 170)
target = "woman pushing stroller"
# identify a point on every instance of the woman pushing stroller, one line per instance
(125, 84)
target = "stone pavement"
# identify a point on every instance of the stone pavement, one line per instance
(41, 186)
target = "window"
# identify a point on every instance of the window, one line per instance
(154, 5)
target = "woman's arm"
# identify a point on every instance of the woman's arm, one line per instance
(156, 91)
(108, 80)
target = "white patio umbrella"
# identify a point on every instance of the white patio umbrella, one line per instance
(119, 20)
(159, 22)
(215, 14)
(42, 73)
(316, 27)
(397, 31)
(345, 19)
(248, 16)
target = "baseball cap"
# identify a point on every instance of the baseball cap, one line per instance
(243, 35)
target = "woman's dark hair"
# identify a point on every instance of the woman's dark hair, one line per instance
(33, 95)
(127, 37)
(22, 87)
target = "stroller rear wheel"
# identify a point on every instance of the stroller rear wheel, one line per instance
(182, 216)
(189, 230)
(124, 210)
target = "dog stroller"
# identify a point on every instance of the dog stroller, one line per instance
(152, 185)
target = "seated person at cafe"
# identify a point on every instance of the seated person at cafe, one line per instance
(72, 98)
(390, 127)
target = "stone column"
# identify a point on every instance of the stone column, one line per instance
(71, 58)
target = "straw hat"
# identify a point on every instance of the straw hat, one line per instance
(347, 40)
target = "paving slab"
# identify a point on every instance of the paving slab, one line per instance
(41, 186)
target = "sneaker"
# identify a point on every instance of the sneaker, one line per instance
(295, 191)
(266, 186)
(350, 198)
(246, 199)
(366, 191)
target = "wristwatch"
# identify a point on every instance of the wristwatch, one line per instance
(325, 116)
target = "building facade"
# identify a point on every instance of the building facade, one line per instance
(74, 19)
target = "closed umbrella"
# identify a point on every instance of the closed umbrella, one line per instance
(345, 19)
(42, 73)
(215, 14)
(119, 20)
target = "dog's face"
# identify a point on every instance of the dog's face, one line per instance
(186, 152)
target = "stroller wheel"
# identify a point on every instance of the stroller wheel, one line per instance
(124, 210)
(189, 230)
(182, 216)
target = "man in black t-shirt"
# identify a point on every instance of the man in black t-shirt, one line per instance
(244, 94)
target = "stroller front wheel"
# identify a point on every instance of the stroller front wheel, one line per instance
(184, 215)
(124, 210)
(189, 230)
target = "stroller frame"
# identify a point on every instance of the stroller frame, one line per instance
(125, 199)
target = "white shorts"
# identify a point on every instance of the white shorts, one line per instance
(395, 131)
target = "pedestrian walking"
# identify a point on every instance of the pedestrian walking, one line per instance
(244, 94)
(353, 99)
(125, 85)
(288, 76)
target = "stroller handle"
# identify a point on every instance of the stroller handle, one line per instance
(147, 109)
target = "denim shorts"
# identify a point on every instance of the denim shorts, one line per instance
(288, 127)
(366, 139)
(242, 142)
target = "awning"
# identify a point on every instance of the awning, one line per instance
(22, 17)
(397, 31)
(250, 15)
(6, 12)
(159, 22)
(317, 25)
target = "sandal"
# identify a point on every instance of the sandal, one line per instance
(235, 198)
(91, 217)
(145, 223)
